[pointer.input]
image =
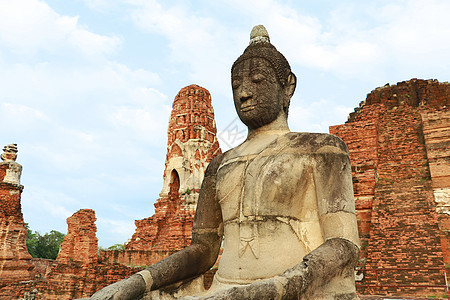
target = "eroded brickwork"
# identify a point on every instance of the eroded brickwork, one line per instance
(67, 281)
(81, 243)
(134, 257)
(192, 144)
(398, 141)
(15, 261)
(76, 273)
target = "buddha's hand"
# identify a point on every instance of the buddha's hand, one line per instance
(273, 288)
(130, 288)
(295, 281)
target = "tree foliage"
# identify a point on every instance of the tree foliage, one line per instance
(46, 245)
(117, 247)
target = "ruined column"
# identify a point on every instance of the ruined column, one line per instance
(81, 243)
(15, 261)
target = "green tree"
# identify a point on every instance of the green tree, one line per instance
(44, 246)
(117, 247)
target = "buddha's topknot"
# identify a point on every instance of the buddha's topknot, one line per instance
(261, 47)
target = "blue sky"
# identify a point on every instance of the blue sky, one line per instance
(86, 86)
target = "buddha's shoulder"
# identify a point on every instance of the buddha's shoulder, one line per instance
(315, 142)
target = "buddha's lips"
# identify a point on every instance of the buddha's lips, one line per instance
(247, 107)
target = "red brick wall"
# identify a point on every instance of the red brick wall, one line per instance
(68, 281)
(134, 257)
(361, 138)
(81, 243)
(396, 208)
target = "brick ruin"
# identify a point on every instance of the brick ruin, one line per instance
(192, 144)
(15, 261)
(76, 272)
(81, 243)
(399, 143)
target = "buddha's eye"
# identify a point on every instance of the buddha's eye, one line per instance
(258, 78)
(236, 83)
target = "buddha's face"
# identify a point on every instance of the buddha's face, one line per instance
(258, 96)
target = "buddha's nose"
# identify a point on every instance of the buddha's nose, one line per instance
(245, 95)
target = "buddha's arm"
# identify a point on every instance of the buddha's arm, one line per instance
(194, 260)
(207, 235)
(335, 259)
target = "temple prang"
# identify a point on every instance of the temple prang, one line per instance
(192, 144)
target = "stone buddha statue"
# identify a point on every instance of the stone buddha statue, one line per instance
(281, 204)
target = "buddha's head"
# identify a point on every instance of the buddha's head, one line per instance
(262, 81)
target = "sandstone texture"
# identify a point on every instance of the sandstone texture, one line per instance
(399, 143)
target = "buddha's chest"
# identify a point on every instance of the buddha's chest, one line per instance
(278, 185)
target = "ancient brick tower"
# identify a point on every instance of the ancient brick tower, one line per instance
(15, 261)
(80, 244)
(399, 142)
(192, 144)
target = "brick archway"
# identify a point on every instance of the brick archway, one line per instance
(174, 185)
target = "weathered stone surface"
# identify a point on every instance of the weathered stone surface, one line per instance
(192, 144)
(81, 243)
(399, 141)
(436, 130)
(15, 261)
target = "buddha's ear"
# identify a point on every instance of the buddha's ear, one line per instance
(290, 86)
(289, 91)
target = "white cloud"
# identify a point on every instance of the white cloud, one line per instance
(416, 28)
(404, 33)
(28, 26)
(194, 38)
(101, 5)
(358, 40)
(317, 116)
(140, 121)
(39, 203)
(122, 229)
(52, 85)
(14, 111)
